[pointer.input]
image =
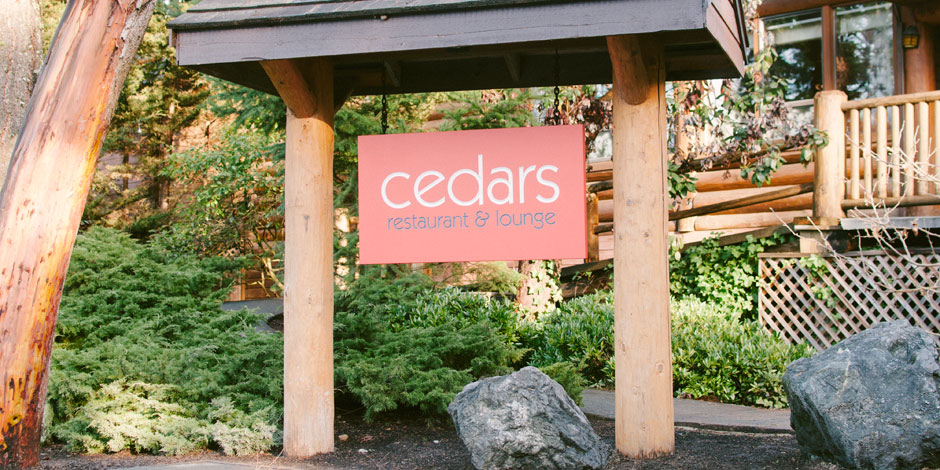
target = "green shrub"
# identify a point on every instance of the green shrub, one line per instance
(422, 368)
(716, 354)
(720, 275)
(379, 289)
(143, 351)
(451, 305)
(580, 332)
(567, 375)
(240, 433)
(138, 417)
(487, 276)
(401, 344)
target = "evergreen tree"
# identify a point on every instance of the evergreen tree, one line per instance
(160, 99)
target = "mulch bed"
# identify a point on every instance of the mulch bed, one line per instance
(411, 443)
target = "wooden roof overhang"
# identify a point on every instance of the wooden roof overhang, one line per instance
(445, 45)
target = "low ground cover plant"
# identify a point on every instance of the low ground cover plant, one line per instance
(579, 332)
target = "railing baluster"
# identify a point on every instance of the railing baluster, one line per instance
(853, 154)
(936, 146)
(908, 154)
(923, 147)
(881, 120)
(895, 151)
(904, 165)
(866, 150)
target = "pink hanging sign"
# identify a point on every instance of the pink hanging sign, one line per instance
(480, 195)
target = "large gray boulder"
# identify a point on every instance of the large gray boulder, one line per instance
(525, 421)
(871, 401)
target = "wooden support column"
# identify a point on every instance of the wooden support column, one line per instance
(644, 412)
(830, 160)
(828, 176)
(593, 219)
(919, 71)
(307, 90)
(919, 76)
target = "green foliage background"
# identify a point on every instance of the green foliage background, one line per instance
(720, 275)
(716, 354)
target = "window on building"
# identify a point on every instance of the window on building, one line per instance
(799, 46)
(863, 65)
(864, 50)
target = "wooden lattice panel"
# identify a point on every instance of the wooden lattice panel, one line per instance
(847, 294)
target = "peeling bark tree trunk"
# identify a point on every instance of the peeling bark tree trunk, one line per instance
(20, 60)
(41, 204)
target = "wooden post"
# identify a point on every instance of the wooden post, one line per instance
(882, 136)
(866, 157)
(644, 413)
(854, 154)
(923, 148)
(307, 90)
(907, 155)
(830, 81)
(830, 160)
(42, 200)
(593, 219)
(895, 165)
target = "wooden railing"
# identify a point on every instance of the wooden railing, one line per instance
(883, 151)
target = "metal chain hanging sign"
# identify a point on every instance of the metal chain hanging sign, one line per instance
(478, 195)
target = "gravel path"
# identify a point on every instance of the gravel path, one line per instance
(413, 444)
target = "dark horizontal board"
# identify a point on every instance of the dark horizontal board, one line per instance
(228, 13)
(500, 25)
(506, 44)
(487, 71)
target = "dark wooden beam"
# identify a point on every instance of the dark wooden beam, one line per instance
(743, 202)
(393, 72)
(553, 21)
(779, 7)
(586, 65)
(514, 65)
(928, 12)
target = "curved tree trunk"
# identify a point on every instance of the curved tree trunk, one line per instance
(20, 60)
(41, 204)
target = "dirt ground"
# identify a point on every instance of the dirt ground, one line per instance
(413, 444)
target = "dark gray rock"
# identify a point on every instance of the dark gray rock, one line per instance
(871, 401)
(525, 421)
